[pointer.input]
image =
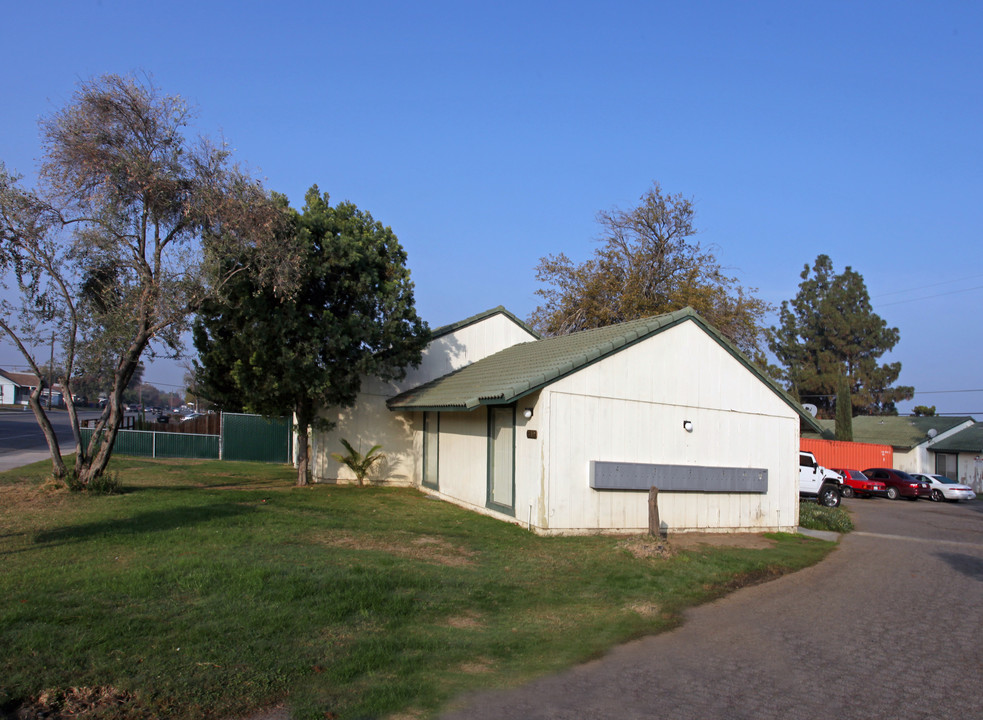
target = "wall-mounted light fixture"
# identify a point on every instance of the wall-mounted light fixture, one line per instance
(688, 425)
(527, 413)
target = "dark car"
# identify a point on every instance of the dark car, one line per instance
(900, 483)
(856, 483)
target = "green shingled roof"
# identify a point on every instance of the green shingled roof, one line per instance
(447, 329)
(517, 371)
(901, 433)
(968, 440)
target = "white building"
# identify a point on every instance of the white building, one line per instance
(567, 434)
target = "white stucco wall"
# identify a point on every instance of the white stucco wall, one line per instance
(631, 408)
(369, 422)
(970, 466)
(7, 392)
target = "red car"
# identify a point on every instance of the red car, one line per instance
(900, 483)
(856, 483)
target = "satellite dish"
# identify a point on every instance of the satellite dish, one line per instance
(932, 432)
(810, 408)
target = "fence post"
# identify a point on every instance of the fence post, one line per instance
(654, 529)
(221, 435)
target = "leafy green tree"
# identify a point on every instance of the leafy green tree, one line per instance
(844, 411)
(828, 332)
(124, 237)
(351, 316)
(647, 264)
(924, 410)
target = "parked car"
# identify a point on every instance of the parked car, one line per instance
(163, 418)
(945, 489)
(817, 481)
(856, 483)
(900, 484)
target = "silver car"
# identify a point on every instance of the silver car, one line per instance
(945, 489)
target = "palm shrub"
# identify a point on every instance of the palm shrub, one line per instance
(358, 463)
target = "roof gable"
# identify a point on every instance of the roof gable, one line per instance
(500, 310)
(967, 440)
(517, 371)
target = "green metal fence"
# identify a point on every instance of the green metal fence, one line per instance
(244, 437)
(253, 437)
(145, 443)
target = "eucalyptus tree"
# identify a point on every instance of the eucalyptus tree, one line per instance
(126, 234)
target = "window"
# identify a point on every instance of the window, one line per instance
(947, 464)
(431, 448)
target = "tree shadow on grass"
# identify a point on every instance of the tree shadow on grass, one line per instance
(145, 522)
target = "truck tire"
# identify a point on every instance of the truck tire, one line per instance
(829, 496)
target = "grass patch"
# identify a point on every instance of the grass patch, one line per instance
(209, 589)
(814, 516)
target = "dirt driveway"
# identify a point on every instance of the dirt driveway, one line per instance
(888, 626)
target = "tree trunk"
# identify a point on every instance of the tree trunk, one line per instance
(101, 445)
(303, 455)
(58, 468)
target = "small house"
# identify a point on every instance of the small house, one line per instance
(16, 387)
(568, 434)
(915, 440)
(959, 456)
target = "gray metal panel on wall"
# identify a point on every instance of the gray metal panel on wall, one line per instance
(677, 478)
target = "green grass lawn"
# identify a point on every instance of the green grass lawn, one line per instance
(210, 589)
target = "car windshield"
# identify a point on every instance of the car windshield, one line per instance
(944, 479)
(905, 476)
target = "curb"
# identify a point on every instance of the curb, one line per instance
(820, 534)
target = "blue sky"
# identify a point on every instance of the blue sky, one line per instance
(488, 135)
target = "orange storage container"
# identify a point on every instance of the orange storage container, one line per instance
(837, 454)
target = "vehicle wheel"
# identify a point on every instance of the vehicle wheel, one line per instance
(829, 496)
(892, 493)
(937, 496)
(847, 491)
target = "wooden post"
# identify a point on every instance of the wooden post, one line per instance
(654, 528)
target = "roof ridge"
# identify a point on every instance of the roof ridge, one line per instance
(516, 371)
(497, 310)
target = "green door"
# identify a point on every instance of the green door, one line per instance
(501, 459)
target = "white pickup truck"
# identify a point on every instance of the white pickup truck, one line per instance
(818, 482)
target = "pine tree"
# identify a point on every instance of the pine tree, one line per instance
(828, 331)
(844, 411)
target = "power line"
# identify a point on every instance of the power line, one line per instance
(940, 392)
(928, 297)
(925, 287)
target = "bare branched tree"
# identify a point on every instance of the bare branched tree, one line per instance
(648, 263)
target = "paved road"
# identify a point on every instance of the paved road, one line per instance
(889, 626)
(22, 442)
